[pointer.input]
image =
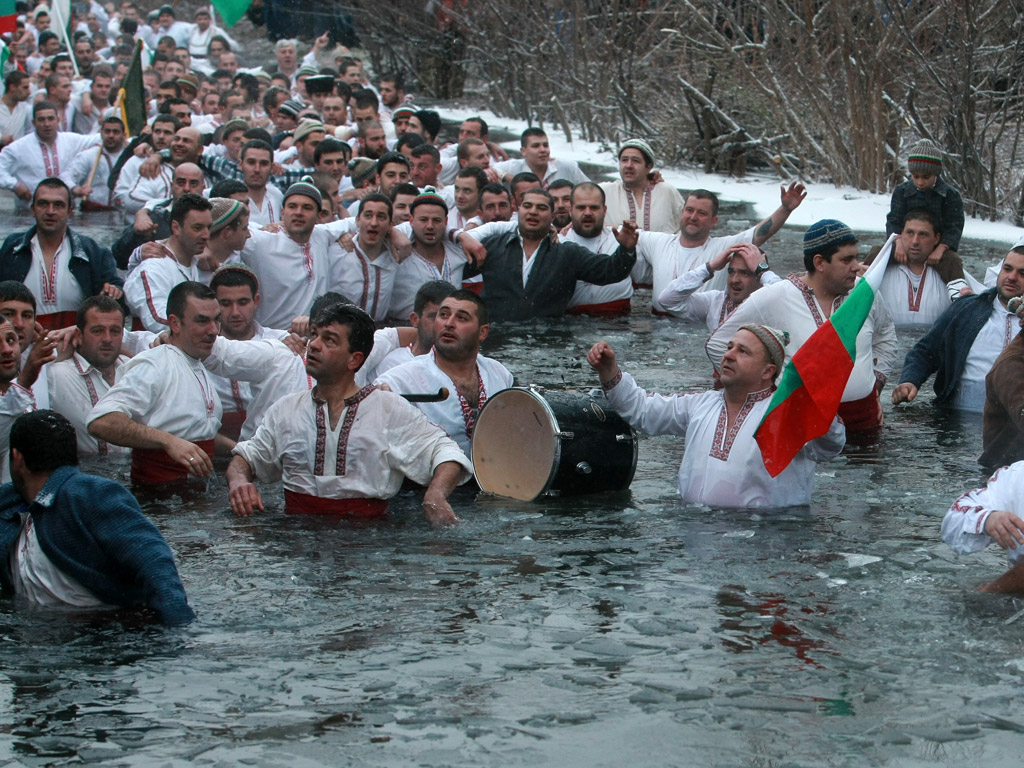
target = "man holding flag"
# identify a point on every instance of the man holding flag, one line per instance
(853, 351)
(722, 464)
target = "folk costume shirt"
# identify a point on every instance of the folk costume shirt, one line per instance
(683, 298)
(75, 387)
(913, 299)
(148, 286)
(28, 160)
(658, 211)
(963, 527)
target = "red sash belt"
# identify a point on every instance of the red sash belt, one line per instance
(862, 415)
(137, 324)
(153, 467)
(661, 312)
(231, 424)
(616, 308)
(57, 320)
(476, 286)
(296, 503)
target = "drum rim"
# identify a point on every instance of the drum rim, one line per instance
(555, 432)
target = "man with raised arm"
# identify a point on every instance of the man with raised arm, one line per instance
(340, 449)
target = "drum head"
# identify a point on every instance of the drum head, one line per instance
(515, 448)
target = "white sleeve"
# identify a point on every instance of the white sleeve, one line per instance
(7, 159)
(261, 451)
(336, 229)
(14, 402)
(417, 447)
(963, 527)
(146, 291)
(652, 414)
(385, 341)
(243, 360)
(883, 338)
(77, 171)
(680, 296)
(829, 445)
(486, 230)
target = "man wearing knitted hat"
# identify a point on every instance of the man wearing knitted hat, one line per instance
(722, 464)
(927, 190)
(803, 302)
(639, 194)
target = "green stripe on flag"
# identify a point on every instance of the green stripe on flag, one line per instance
(231, 10)
(850, 317)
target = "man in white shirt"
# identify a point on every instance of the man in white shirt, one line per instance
(914, 292)
(637, 196)
(162, 132)
(367, 274)
(665, 257)
(76, 385)
(747, 270)
(537, 159)
(16, 395)
(802, 303)
(344, 450)
(265, 200)
(164, 405)
(15, 112)
(77, 176)
(18, 307)
(722, 465)
(965, 341)
(455, 363)
(149, 285)
(992, 515)
(424, 312)
(40, 154)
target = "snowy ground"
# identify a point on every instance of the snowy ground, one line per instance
(861, 210)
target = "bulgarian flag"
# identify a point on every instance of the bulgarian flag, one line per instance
(8, 17)
(231, 10)
(812, 384)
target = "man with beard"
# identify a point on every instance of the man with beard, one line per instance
(18, 307)
(60, 266)
(455, 362)
(149, 285)
(638, 196)
(561, 194)
(747, 271)
(76, 385)
(164, 405)
(526, 274)
(372, 141)
(343, 450)
(96, 190)
(15, 397)
(433, 256)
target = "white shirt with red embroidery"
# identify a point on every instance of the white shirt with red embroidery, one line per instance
(235, 395)
(454, 415)
(722, 466)
(963, 527)
(659, 209)
(664, 258)
(75, 387)
(270, 211)
(14, 402)
(165, 389)
(55, 290)
(368, 282)
(28, 160)
(291, 274)
(790, 305)
(378, 441)
(683, 298)
(147, 287)
(416, 270)
(913, 299)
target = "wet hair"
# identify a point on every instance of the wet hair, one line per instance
(495, 188)
(376, 197)
(100, 303)
(359, 324)
(51, 182)
(13, 78)
(188, 202)
(329, 146)
(270, 97)
(259, 134)
(228, 187)
(39, 106)
(432, 292)
(706, 194)
(519, 178)
(473, 172)
(234, 278)
(428, 149)
(249, 84)
(540, 191)
(327, 300)
(180, 294)
(256, 144)
(411, 140)
(404, 189)
(923, 214)
(15, 290)
(529, 132)
(462, 294)
(46, 440)
(462, 152)
(585, 186)
(393, 77)
(480, 121)
(172, 119)
(369, 125)
(560, 184)
(431, 122)
(113, 119)
(367, 98)
(392, 157)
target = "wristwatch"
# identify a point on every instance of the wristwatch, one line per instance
(762, 267)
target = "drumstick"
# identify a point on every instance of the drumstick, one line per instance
(429, 397)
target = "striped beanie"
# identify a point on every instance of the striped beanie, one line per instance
(428, 196)
(774, 341)
(305, 187)
(824, 233)
(926, 158)
(641, 146)
(224, 212)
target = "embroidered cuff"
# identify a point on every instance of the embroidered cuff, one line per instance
(612, 382)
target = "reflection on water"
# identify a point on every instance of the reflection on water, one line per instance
(572, 631)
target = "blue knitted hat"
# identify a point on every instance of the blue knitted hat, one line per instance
(824, 233)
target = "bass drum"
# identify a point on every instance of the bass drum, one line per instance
(526, 444)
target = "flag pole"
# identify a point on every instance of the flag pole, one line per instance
(62, 24)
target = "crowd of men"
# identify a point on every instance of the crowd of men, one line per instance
(302, 251)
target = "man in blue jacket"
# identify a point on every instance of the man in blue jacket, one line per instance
(965, 341)
(72, 539)
(59, 266)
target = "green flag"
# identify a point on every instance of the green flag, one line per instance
(132, 96)
(231, 10)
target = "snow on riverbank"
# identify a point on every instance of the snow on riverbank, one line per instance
(861, 210)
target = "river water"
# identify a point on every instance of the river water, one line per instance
(608, 630)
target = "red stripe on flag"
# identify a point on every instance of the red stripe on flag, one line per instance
(8, 24)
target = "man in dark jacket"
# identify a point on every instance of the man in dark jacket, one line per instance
(964, 342)
(528, 275)
(68, 538)
(59, 266)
